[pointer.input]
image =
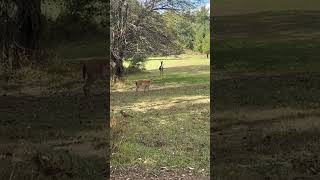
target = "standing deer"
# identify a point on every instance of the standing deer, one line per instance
(98, 68)
(161, 68)
(94, 69)
(145, 84)
(91, 72)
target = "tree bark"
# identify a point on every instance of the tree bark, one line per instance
(20, 31)
(119, 69)
(28, 23)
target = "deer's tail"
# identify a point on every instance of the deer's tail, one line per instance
(84, 71)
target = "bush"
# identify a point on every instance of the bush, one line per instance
(136, 68)
(137, 63)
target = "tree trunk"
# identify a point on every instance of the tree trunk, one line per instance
(7, 32)
(119, 38)
(29, 23)
(119, 69)
(20, 31)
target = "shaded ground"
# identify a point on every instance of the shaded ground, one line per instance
(267, 91)
(163, 174)
(46, 131)
(270, 133)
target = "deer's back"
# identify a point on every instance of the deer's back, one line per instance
(97, 70)
(143, 83)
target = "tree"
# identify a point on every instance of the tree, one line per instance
(28, 23)
(206, 42)
(137, 28)
(181, 27)
(202, 36)
(20, 30)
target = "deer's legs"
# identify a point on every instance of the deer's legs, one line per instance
(161, 72)
(87, 93)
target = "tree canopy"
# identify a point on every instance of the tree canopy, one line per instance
(139, 28)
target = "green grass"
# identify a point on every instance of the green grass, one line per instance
(266, 89)
(229, 7)
(268, 56)
(170, 127)
(267, 42)
(181, 60)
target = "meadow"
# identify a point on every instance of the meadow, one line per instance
(168, 135)
(47, 130)
(266, 76)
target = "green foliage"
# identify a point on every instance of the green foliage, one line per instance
(181, 28)
(137, 63)
(190, 29)
(206, 42)
(202, 35)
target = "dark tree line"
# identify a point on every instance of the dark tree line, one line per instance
(20, 29)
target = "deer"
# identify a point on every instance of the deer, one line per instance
(94, 69)
(91, 72)
(161, 68)
(145, 84)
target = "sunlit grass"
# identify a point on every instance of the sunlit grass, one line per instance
(170, 124)
(153, 63)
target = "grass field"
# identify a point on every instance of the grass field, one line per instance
(168, 135)
(230, 7)
(267, 87)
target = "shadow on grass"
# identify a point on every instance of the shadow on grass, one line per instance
(44, 119)
(295, 90)
(281, 146)
(279, 155)
(160, 94)
(227, 123)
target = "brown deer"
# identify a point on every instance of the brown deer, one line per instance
(96, 69)
(145, 84)
(91, 72)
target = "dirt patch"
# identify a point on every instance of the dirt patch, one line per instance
(163, 174)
